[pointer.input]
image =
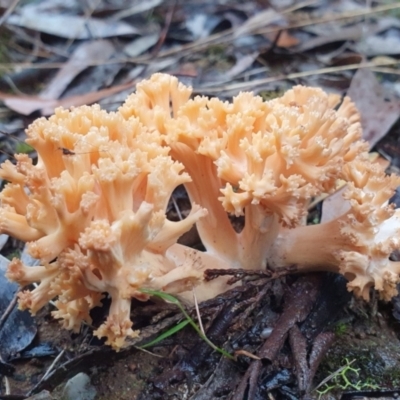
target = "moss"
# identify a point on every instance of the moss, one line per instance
(270, 94)
(216, 56)
(347, 377)
(216, 51)
(375, 359)
(341, 328)
(391, 377)
(13, 254)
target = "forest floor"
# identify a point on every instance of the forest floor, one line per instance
(317, 340)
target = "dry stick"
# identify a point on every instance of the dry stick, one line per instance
(9, 155)
(299, 6)
(9, 10)
(384, 70)
(298, 304)
(200, 44)
(13, 86)
(240, 273)
(5, 380)
(7, 385)
(306, 362)
(51, 367)
(196, 304)
(333, 374)
(160, 42)
(163, 35)
(47, 48)
(20, 34)
(178, 211)
(88, 14)
(320, 346)
(334, 18)
(8, 310)
(295, 75)
(250, 377)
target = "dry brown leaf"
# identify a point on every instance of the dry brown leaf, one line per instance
(286, 40)
(139, 7)
(5, 3)
(70, 26)
(26, 105)
(378, 111)
(85, 53)
(334, 31)
(243, 62)
(334, 206)
(379, 45)
(140, 45)
(331, 36)
(259, 20)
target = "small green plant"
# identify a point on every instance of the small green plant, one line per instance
(270, 94)
(166, 334)
(23, 147)
(343, 379)
(181, 325)
(13, 254)
(341, 328)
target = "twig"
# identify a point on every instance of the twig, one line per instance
(9, 10)
(294, 75)
(333, 374)
(8, 310)
(7, 385)
(161, 39)
(5, 380)
(13, 86)
(384, 70)
(88, 14)
(202, 43)
(298, 304)
(163, 34)
(196, 305)
(223, 37)
(250, 378)
(299, 5)
(239, 274)
(51, 367)
(147, 351)
(339, 17)
(178, 211)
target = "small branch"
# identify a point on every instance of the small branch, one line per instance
(239, 274)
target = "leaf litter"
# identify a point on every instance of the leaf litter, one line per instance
(66, 53)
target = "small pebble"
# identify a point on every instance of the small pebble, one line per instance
(79, 388)
(361, 335)
(266, 333)
(132, 367)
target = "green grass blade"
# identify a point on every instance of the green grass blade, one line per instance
(166, 334)
(174, 300)
(162, 295)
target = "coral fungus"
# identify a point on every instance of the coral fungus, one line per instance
(93, 207)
